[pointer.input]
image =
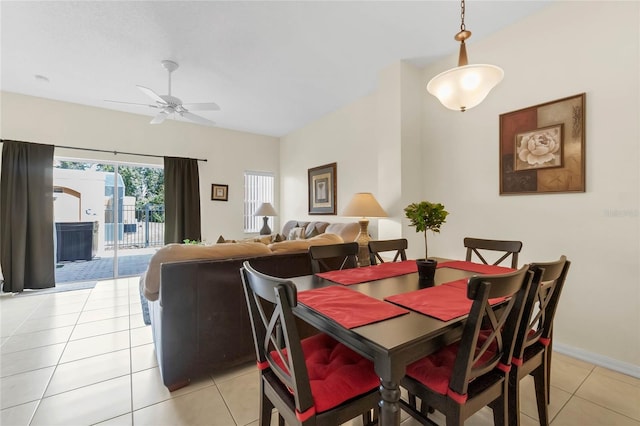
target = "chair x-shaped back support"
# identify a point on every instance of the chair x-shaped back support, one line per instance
(334, 257)
(380, 246)
(510, 248)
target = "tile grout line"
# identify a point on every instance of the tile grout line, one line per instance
(55, 368)
(130, 355)
(593, 371)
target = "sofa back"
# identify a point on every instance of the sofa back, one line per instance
(347, 231)
(201, 321)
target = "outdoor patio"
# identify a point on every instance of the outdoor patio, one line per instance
(101, 268)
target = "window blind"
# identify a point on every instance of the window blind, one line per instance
(258, 189)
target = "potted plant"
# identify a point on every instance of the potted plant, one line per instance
(426, 216)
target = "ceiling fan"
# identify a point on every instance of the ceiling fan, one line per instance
(167, 104)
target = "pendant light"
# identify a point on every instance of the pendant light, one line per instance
(464, 86)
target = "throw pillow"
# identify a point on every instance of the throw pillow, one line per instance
(313, 233)
(296, 234)
(221, 240)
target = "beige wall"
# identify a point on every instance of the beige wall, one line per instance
(570, 48)
(229, 153)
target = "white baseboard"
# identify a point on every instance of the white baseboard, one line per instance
(600, 360)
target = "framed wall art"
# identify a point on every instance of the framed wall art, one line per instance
(322, 189)
(219, 192)
(542, 148)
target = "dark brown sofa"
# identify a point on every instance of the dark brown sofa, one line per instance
(200, 321)
(196, 302)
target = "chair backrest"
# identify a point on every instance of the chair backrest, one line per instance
(540, 308)
(376, 247)
(480, 353)
(334, 257)
(277, 341)
(510, 248)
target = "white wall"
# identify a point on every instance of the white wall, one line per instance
(372, 140)
(229, 153)
(349, 140)
(590, 47)
(566, 49)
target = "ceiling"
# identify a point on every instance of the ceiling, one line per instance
(273, 67)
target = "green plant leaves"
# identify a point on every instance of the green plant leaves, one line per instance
(426, 215)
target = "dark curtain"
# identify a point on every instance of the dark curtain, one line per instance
(26, 216)
(181, 200)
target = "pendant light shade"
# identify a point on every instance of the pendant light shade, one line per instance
(464, 86)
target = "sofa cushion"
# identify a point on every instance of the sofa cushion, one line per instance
(150, 280)
(303, 245)
(292, 224)
(296, 233)
(348, 231)
(315, 228)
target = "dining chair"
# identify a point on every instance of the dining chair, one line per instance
(465, 376)
(314, 381)
(333, 257)
(532, 348)
(380, 246)
(510, 248)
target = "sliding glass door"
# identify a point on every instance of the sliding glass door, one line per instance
(109, 218)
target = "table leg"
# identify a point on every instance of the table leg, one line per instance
(389, 406)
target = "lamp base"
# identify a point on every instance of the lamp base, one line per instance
(363, 241)
(265, 228)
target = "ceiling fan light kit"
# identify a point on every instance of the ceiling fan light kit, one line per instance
(170, 105)
(466, 85)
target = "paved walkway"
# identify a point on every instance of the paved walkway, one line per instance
(101, 268)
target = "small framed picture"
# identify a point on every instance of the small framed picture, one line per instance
(219, 192)
(322, 189)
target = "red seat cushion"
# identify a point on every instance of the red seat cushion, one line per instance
(336, 373)
(434, 371)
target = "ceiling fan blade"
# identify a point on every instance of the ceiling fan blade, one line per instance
(153, 95)
(131, 103)
(196, 118)
(159, 118)
(204, 106)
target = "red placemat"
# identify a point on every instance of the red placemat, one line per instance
(475, 267)
(370, 273)
(462, 284)
(444, 302)
(347, 307)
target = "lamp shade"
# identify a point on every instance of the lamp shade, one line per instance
(364, 204)
(265, 209)
(465, 86)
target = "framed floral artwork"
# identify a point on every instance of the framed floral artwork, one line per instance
(542, 148)
(322, 182)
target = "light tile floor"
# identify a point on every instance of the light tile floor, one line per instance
(85, 357)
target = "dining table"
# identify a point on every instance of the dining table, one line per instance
(405, 334)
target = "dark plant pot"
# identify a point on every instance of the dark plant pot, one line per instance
(426, 271)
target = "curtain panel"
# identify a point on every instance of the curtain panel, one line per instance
(181, 200)
(26, 216)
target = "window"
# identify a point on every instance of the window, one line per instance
(258, 189)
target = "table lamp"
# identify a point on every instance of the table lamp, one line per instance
(363, 205)
(265, 209)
